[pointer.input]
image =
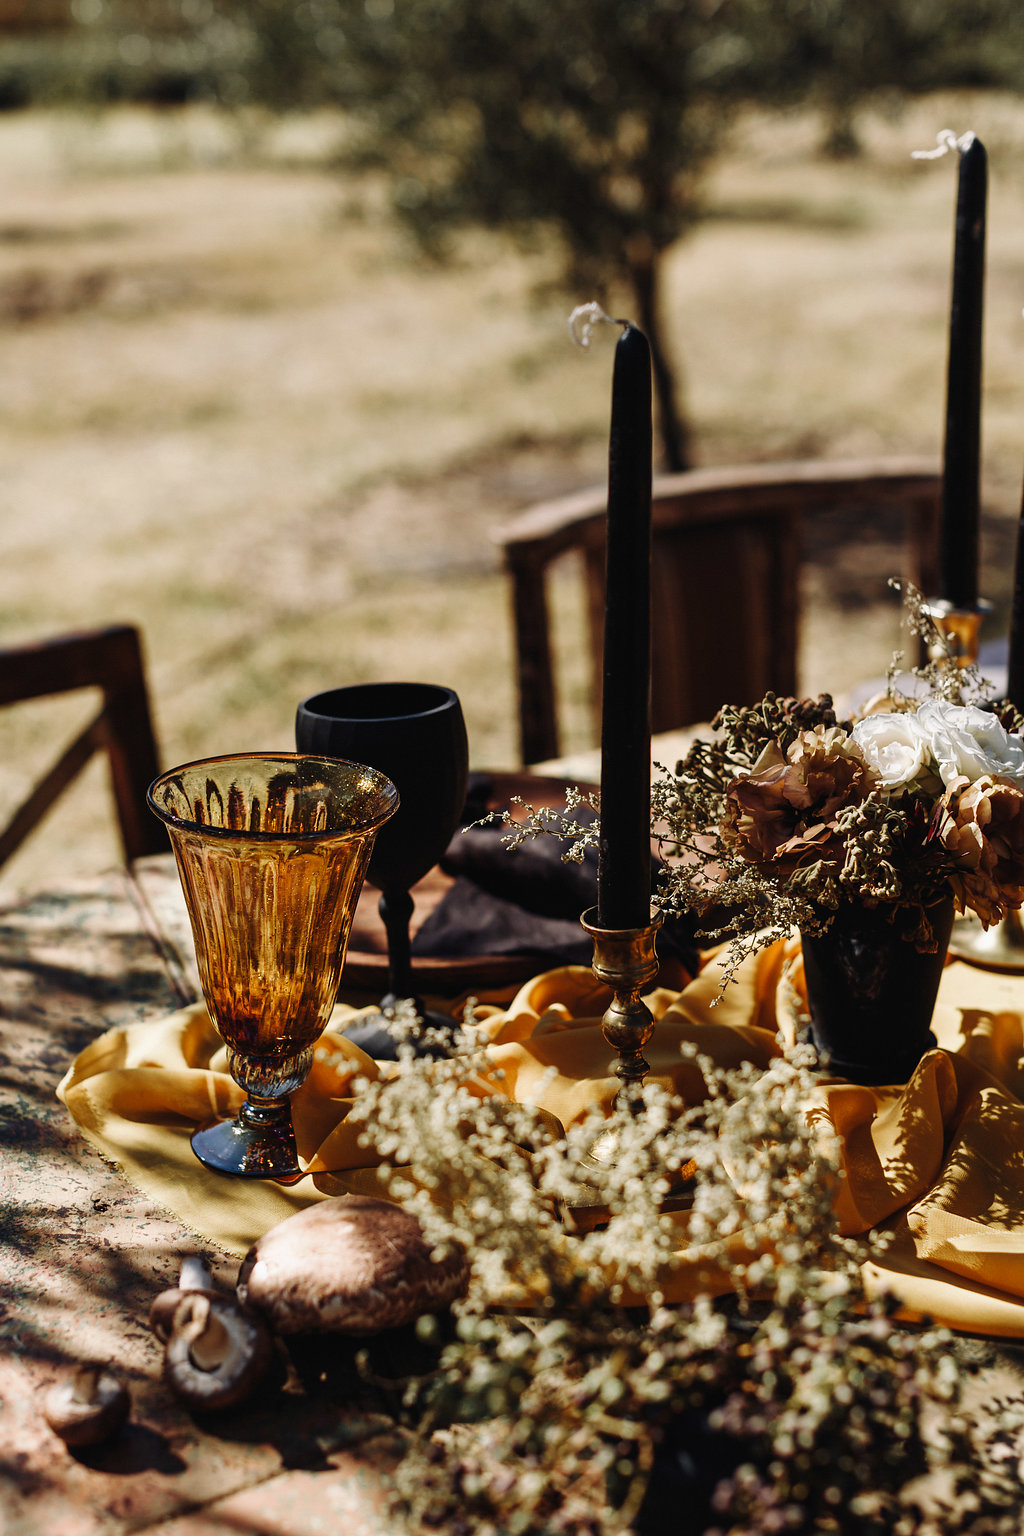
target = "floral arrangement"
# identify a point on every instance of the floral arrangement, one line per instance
(788, 812)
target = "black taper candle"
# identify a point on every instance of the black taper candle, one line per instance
(1015, 664)
(624, 852)
(958, 553)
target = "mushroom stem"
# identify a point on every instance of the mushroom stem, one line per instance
(195, 1277)
(195, 1274)
(84, 1382)
(209, 1341)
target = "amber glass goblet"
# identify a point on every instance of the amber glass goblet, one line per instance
(271, 849)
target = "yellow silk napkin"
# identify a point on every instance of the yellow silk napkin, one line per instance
(937, 1163)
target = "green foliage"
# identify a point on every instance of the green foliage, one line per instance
(160, 52)
(593, 125)
(840, 57)
(598, 120)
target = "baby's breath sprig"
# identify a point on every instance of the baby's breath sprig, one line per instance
(528, 821)
(569, 1383)
(944, 675)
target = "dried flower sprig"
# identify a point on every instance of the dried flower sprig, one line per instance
(529, 821)
(944, 675)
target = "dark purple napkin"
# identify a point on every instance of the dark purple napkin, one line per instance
(527, 901)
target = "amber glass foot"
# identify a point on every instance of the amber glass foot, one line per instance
(258, 1144)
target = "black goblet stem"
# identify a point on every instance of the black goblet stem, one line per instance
(396, 909)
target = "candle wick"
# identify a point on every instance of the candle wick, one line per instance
(583, 319)
(947, 141)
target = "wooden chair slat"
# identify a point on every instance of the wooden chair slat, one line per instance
(725, 579)
(49, 789)
(109, 660)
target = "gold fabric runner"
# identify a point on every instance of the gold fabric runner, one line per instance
(938, 1162)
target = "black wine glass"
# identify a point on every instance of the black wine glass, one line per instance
(415, 734)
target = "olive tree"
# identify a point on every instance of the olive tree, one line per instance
(593, 123)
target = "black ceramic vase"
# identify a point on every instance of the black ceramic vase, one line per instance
(871, 993)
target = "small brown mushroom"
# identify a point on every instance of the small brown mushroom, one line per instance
(87, 1406)
(216, 1353)
(351, 1264)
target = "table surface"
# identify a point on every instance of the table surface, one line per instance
(82, 1255)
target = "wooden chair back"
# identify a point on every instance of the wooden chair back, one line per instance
(725, 573)
(109, 660)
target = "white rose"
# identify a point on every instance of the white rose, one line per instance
(964, 739)
(894, 746)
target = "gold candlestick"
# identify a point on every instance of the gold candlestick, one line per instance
(625, 959)
(961, 626)
(999, 948)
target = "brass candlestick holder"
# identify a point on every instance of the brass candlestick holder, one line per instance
(961, 627)
(625, 959)
(1000, 947)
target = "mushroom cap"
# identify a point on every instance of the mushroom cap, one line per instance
(87, 1406)
(216, 1353)
(350, 1264)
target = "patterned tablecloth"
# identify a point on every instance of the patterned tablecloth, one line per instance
(82, 1254)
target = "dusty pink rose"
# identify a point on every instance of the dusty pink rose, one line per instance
(982, 825)
(785, 808)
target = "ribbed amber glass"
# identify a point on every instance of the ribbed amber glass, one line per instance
(271, 850)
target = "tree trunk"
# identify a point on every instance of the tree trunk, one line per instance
(673, 431)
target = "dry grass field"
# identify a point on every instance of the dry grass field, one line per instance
(239, 411)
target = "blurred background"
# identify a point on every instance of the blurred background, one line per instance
(283, 302)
